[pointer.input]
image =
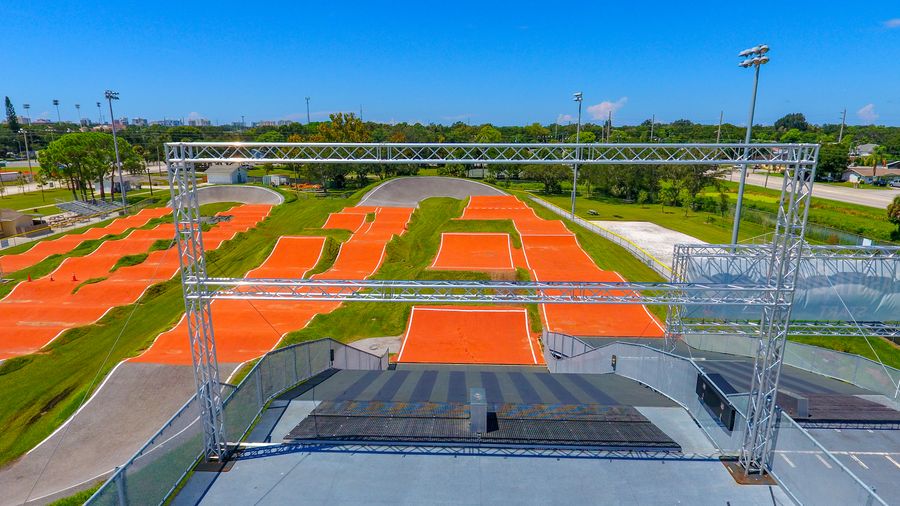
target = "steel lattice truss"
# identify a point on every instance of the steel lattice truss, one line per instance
(774, 298)
(817, 328)
(755, 257)
(421, 153)
(495, 292)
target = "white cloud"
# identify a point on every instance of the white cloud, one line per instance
(867, 113)
(562, 119)
(602, 110)
(892, 23)
(195, 116)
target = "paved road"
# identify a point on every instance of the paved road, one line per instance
(871, 198)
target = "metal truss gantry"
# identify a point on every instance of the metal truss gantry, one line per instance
(710, 261)
(774, 297)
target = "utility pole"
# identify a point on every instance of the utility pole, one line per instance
(608, 125)
(78, 108)
(578, 97)
(652, 121)
(307, 111)
(719, 131)
(360, 112)
(100, 110)
(242, 124)
(843, 121)
(110, 96)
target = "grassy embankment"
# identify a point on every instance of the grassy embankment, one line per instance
(696, 225)
(38, 392)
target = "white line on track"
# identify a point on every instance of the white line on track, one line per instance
(854, 457)
(787, 460)
(892, 461)
(823, 461)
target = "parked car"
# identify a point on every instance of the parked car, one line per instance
(895, 183)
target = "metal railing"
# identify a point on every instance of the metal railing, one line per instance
(810, 474)
(154, 472)
(676, 378)
(854, 369)
(638, 252)
(671, 375)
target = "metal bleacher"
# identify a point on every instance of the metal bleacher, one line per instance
(88, 207)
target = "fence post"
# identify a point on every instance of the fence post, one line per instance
(120, 487)
(259, 388)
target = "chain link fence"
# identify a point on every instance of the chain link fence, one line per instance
(154, 472)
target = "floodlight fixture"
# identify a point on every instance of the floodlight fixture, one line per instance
(753, 57)
(577, 96)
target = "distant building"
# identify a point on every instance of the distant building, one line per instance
(264, 123)
(864, 150)
(121, 122)
(199, 122)
(141, 122)
(116, 187)
(167, 122)
(284, 122)
(226, 174)
(42, 121)
(868, 175)
(14, 222)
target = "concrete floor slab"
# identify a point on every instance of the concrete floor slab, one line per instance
(656, 240)
(355, 478)
(409, 191)
(678, 425)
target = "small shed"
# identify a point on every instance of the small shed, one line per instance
(13, 222)
(275, 180)
(226, 174)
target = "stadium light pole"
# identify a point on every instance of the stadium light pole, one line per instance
(78, 109)
(307, 111)
(100, 111)
(27, 115)
(753, 57)
(578, 97)
(110, 96)
(56, 104)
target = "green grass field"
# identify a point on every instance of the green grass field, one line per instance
(34, 202)
(40, 391)
(863, 220)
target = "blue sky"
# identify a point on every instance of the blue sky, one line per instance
(480, 61)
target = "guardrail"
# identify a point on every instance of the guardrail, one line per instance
(676, 377)
(640, 253)
(860, 371)
(153, 473)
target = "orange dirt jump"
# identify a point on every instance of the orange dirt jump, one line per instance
(245, 330)
(470, 335)
(43, 249)
(36, 312)
(552, 253)
(474, 252)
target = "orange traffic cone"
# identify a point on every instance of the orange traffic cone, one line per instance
(29, 278)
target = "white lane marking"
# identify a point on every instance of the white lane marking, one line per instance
(528, 337)
(892, 461)
(854, 457)
(473, 310)
(823, 461)
(412, 314)
(787, 460)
